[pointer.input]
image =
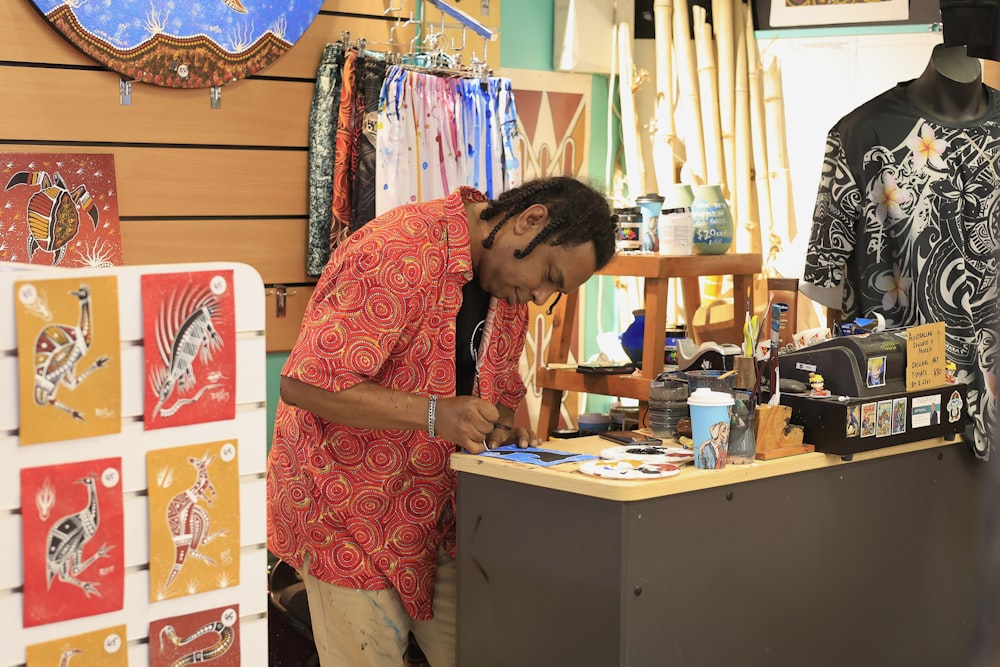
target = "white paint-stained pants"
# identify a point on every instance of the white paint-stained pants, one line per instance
(363, 628)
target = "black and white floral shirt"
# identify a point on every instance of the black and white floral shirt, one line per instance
(906, 225)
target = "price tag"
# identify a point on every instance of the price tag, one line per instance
(925, 356)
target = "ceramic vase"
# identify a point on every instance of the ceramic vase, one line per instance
(712, 221)
(631, 339)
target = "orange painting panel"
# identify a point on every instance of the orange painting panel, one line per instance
(194, 519)
(106, 647)
(69, 358)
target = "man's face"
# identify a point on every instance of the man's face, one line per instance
(545, 271)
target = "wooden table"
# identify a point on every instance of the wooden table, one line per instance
(807, 560)
(656, 270)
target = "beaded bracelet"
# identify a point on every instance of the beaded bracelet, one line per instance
(431, 413)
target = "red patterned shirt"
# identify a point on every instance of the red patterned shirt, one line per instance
(371, 507)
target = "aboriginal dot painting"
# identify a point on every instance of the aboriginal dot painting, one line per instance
(182, 44)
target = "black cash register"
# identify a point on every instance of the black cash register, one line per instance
(868, 406)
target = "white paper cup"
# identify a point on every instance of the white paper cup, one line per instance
(710, 427)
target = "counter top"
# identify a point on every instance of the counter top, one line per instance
(566, 476)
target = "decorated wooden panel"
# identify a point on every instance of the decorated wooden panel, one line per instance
(182, 45)
(59, 209)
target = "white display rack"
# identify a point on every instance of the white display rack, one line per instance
(132, 444)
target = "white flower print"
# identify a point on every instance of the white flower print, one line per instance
(896, 288)
(888, 198)
(927, 148)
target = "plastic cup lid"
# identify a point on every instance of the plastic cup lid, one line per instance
(706, 397)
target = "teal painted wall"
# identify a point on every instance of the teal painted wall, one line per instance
(526, 29)
(275, 360)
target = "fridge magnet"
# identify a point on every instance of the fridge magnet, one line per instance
(68, 358)
(625, 469)
(72, 540)
(867, 420)
(853, 421)
(876, 372)
(189, 334)
(182, 44)
(925, 411)
(899, 415)
(107, 647)
(59, 209)
(535, 455)
(212, 636)
(954, 407)
(883, 419)
(194, 519)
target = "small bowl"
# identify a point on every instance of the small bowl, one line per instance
(593, 422)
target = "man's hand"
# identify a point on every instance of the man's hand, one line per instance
(466, 421)
(504, 434)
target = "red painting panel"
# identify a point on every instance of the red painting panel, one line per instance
(73, 540)
(205, 636)
(59, 209)
(189, 331)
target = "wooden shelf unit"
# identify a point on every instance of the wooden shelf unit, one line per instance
(657, 270)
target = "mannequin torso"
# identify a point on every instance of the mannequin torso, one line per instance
(951, 86)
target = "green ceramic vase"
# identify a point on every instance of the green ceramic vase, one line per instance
(712, 221)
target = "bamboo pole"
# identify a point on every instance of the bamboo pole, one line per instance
(635, 169)
(708, 90)
(609, 159)
(722, 25)
(758, 136)
(744, 208)
(664, 134)
(777, 160)
(689, 98)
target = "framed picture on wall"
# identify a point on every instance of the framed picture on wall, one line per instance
(786, 13)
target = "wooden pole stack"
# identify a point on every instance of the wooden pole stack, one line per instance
(664, 162)
(714, 123)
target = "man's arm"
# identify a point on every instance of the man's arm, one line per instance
(463, 420)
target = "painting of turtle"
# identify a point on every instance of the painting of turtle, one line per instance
(54, 212)
(59, 209)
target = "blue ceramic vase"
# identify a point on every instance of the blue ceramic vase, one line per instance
(712, 221)
(631, 339)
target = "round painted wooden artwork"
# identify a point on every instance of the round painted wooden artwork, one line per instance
(182, 44)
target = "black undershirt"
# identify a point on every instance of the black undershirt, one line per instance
(472, 314)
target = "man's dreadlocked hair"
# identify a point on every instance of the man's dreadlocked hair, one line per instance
(577, 214)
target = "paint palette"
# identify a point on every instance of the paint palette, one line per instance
(628, 469)
(649, 454)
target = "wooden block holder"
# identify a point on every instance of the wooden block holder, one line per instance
(746, 372)
(775, 436)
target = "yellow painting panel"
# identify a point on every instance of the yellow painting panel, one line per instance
(194, 519)
(106, 647)
(69, 358)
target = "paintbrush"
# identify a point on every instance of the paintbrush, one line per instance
(772, 362)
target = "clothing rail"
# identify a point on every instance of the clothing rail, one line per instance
(483, 31)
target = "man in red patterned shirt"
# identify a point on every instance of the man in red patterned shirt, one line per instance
(409, 347)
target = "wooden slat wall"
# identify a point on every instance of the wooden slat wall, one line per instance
(195, 183)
